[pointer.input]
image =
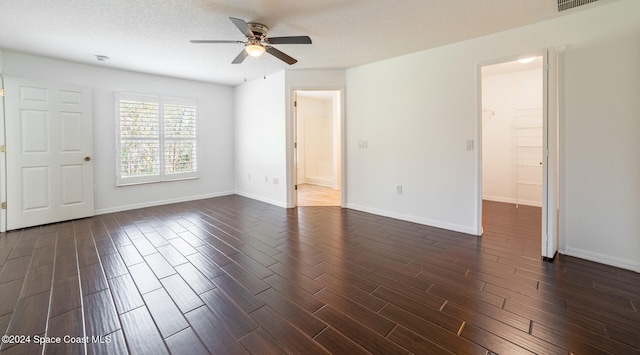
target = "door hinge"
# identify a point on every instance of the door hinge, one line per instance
(295, 145)
(295, 104)
(295, 187)
(3, 149)
(4, 206)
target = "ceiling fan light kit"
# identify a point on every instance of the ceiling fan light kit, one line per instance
(254, 49)
(257, 41)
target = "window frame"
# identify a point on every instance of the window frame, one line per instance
(162, 175)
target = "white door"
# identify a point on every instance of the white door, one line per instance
(298, 148)
(550, 156)
(49, 147)
(3, 164)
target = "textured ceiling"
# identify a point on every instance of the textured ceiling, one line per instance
(152, 36)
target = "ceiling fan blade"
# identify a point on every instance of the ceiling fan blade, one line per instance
(213, 41)
(290, 40)
(242, 26)
(240, 57)
(283, 57)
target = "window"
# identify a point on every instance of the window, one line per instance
(157, 138)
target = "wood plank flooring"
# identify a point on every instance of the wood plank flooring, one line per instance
(231, 275)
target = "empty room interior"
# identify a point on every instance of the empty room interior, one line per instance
(259, 177)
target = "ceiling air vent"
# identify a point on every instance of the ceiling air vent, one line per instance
(570, 4)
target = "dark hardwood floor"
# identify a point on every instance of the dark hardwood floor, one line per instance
(232, 275)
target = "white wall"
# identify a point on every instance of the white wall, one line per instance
(261, 140)
(417, 111)
(502, 96)
(601, 187)
(215, 129)
(264, 131)
(315, 141)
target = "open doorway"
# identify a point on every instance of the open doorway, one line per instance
(512, 148)
(318, 125)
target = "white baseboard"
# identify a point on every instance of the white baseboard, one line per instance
(499, 199)
(260, 198)
(415, 219)
(160, 202)
(633, 265)
(512, 201)
(530, 203)
(328, 182)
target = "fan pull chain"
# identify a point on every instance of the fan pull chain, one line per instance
(264, 68)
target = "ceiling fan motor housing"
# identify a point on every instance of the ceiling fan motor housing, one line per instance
(258, 29)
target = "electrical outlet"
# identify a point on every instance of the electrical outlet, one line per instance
(363, 143)
(399, 189)
(275, 181)
(266, 179)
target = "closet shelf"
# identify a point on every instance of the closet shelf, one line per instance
(528, 147)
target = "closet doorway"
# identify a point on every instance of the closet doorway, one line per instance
(318, 155)
(512, 148)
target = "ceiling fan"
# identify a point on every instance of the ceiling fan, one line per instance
(257, 41)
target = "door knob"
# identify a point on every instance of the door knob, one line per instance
(87, 158)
